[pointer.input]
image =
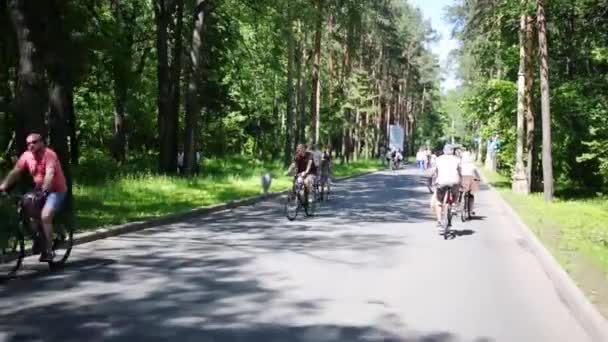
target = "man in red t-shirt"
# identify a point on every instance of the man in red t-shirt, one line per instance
(44, 166)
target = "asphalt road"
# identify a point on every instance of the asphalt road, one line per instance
(369, 267)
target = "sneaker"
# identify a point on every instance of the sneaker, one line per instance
(47, 256)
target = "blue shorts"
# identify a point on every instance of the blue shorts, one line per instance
(54, 200)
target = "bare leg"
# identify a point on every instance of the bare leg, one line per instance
(47, 227)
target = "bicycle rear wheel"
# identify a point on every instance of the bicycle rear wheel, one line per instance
(446, 214)
(310, 207)
(291, 206)
(326, 192)
(464, 213)
(63, 241)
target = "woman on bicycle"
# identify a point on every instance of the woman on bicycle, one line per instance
(470, 178)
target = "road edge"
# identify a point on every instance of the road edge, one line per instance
(131, 227)
(586, 314)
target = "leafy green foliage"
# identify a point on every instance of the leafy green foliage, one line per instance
(578, 73)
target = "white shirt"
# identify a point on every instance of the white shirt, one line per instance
(468, 169)
(447, 170)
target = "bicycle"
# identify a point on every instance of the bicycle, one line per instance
(446, 212)
(324, 189)
(467, 198)
(465, 214)
(296, 200)
(18, 239)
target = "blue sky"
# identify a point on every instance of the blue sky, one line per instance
(433, 10)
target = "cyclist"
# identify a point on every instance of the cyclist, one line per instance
(470, 177)
(326, 167)
(448, 175)
(305, 168)
(398, 158)
(44, 166)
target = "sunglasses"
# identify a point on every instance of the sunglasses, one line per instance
(32, 142)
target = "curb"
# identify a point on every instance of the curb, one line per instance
(587, 315)
(131, 227)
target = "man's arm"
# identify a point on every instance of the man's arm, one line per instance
(10, 178)
(49, 174)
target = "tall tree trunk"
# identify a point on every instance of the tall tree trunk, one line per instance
(60, 90)
(545, 103)
(169, 71)
(7, 61)
(357, 134)
(73, 134)
(520, 181)
(289, 132)
(193, 107)
(31, 93)
(121, 59)
(530, 117)
(176, 71)
(167, 160)
(316, 80)
(302, 91)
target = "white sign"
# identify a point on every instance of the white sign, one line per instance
(396, 137)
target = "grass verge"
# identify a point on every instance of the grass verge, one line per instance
(139, 196)
(574, 230)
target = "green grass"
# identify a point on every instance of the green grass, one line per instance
(131, 196)
(574, 230)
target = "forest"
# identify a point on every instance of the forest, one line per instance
(133, 80)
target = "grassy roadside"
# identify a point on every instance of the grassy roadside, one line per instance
(139, 196)
(574, 230)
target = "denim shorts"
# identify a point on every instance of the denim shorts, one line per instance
(55, 200)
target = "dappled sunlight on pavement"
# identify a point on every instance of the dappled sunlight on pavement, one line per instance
(368, 267)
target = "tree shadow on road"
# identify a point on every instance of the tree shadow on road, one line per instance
(200, 280)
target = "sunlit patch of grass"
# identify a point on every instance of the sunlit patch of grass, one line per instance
(570, 228)
(139, 196)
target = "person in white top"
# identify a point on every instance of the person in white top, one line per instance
(448, 175)
(470, 177)
(420, 159)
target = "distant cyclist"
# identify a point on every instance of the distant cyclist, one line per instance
(448, 176)
(326, 167)
(44, 166)
(305, 168)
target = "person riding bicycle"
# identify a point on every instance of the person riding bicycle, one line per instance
(326, 167)
(305, 168)
(448, 176)
(44, 166)
(470, 177)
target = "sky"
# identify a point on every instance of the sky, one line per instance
(433, 10)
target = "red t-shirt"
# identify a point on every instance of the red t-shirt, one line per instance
(37, 164)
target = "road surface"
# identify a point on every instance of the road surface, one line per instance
(369, 267)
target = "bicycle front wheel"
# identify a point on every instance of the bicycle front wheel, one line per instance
(291, 206)
(12, 251)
